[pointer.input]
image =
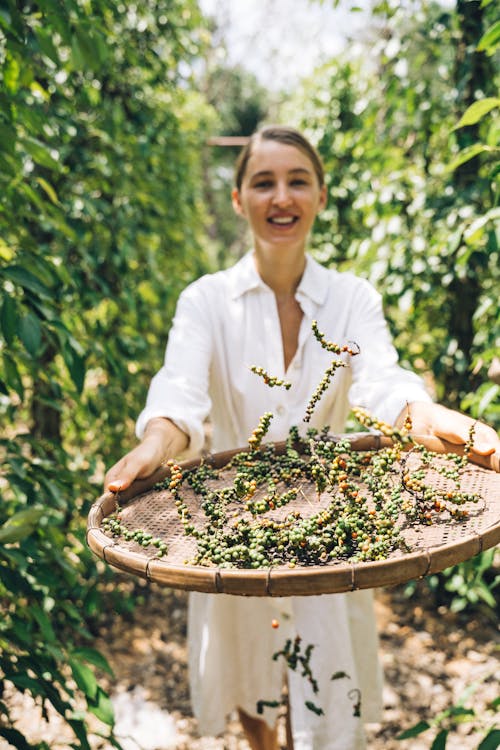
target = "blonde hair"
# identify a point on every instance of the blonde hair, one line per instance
(282, 134)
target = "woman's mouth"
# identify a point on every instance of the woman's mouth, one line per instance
(282, 221)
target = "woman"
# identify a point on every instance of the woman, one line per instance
(259, 313)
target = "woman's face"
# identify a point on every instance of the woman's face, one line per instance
(280, 195)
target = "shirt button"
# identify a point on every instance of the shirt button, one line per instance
(297, 364)
(280, 410)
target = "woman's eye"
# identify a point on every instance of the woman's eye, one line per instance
(299, 182)
(262, 184)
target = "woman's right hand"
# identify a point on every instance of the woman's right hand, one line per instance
(162, 440)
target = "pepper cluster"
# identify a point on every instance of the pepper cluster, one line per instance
(371, 496)
(255, 439)
(424, 500)
(295, 659)
(270, 380)
(364, 498)
(373, 423)
(114, 526)
(331, 370)
(354, 694)
(330, 346)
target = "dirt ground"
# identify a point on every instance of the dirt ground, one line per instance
(429, 655)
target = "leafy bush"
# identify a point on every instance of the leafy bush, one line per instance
(413, 188)
(100, 226)
(467, 586)
(448, 720)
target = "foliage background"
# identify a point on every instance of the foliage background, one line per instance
(101, 226)
(407, 209)
(111, 201)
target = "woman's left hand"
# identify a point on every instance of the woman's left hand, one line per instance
(450, 425)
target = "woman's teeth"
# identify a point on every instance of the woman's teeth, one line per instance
(282, 219)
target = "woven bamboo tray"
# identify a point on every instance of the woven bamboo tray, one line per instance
(432, 547)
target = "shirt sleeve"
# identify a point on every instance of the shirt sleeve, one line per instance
(179, 391)
(379, 383)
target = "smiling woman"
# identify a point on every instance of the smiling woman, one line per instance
(258, 316)
(279, 194)
(280, 190)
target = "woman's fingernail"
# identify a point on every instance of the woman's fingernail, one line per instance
(116, 485)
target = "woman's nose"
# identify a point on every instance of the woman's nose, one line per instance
(282, 195)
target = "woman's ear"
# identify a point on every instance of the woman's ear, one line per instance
(323, 198)
(235, 199)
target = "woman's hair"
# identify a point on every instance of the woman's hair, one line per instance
(283, 134)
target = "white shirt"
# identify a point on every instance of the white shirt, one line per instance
(225, 323)
(228, 321)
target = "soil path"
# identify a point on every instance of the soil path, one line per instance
(430, 657)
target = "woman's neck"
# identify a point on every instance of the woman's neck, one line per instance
(281, 271)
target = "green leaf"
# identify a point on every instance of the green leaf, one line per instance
(477, 111)
(339, 676)
(474, 231)
(84, 678)
(45, 41)
(12, 376)
(43, 623)
(422, 726)
(461, 711)
(102, 707)
(25, 682)
(490, 39)
(7, 138)
(43, 687)
(20, 525)
(75, 364)
(49, 190)
(33, 196)
(491, 741)
(23, 635)
(9, 579)
(440, 740)
(314, 708)
(30, 333)
(40, 153)
(468, 153)
(93, 657)
(87, 49)
(8, 315)
(485, 594)
(16, 739)
(78, 727)
(22, 277)
(11, 70)
(15, 558)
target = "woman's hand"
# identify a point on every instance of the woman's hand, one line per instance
(434, 419)
(162, 440)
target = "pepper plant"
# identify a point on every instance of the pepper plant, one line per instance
(100, 227)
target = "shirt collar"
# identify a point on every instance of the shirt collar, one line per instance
(244, 276)
(313, 284)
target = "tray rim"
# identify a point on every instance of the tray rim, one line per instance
(281, 581)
